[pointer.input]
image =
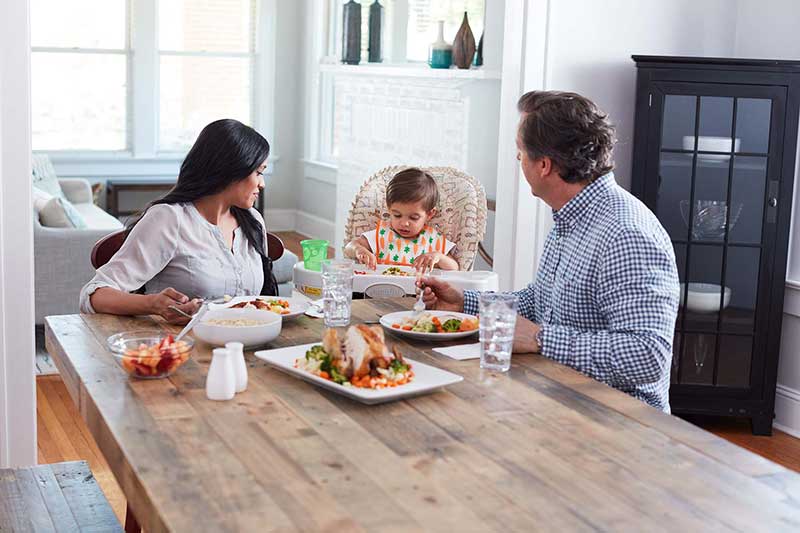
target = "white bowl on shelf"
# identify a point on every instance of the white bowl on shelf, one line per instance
(268, 329)
(704, 297)
(709, 143)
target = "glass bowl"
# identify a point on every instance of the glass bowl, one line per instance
(149, 354)
(710, 218)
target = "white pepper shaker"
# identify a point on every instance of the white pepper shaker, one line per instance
(221, 381)
(236, 350)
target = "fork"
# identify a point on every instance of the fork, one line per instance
(202, 303)
(419, 305)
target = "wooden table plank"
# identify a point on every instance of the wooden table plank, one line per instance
(541, 445)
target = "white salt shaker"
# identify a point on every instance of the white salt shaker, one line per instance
(221, 381)
(236, 350)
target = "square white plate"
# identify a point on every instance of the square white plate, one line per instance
(426, 378)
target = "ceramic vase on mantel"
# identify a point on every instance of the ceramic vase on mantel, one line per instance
(464, 45)
(375, 31)
(351, 33)
(440, 54)
(479, 53)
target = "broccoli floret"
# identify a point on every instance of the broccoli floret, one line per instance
(451, 325)
(398, 367)
(337, 376)
(316, 352)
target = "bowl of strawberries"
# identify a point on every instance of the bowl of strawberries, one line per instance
(149, 354)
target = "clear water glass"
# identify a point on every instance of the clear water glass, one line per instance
(497, 319)
(337, 291)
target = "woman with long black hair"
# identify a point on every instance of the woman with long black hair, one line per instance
(202, 240)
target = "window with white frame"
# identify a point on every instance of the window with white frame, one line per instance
(96, 85)
(79, 74)
(423, 28)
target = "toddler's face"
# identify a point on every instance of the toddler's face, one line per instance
(409, 219)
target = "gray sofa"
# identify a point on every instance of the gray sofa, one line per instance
(62, 264)
(61, 256)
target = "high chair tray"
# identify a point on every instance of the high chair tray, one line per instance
(309, 282)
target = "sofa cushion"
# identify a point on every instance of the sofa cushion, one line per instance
(96, 218)
(43, 176)
(60, 213)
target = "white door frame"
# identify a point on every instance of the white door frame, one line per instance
(17, 364)
(522, 221)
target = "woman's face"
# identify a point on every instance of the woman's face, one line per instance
(244, 193)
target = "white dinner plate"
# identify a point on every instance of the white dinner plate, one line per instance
(426, 378)
(397, 318)
(297, 306)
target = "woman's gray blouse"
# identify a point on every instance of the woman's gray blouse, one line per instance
(174, 246)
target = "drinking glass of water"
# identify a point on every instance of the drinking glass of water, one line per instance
(497, 318)
(337, 291)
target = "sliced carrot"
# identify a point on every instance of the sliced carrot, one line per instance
(407, 328)
(324, 375)
(396, 326)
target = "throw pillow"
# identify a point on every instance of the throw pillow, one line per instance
(59, 213)
(40, 199)
(44, 176)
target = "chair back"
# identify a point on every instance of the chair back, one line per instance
(460, 214)
(384, 290)
(105, 248)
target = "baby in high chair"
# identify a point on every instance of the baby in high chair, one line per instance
(411, 197)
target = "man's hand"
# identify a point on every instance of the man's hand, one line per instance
(160, 305)
(441, 295)
(525, 336)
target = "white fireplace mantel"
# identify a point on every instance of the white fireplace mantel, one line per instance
(387, 115)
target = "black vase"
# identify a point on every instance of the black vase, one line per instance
(351, 34)
(375, 30)
(479, 53)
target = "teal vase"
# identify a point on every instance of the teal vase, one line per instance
(440, 54)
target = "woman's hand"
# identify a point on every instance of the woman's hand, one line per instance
(161, 302)
(365, 257)
(441, 295)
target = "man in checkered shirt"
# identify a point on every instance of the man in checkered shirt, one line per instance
(605, 297)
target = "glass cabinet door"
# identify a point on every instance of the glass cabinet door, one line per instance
(712, 196)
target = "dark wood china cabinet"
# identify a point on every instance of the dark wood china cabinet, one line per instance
(714, 158)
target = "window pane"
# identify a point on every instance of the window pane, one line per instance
(78, 23)
(198, 90)
(211, 25)
(423, 28)
(679, 118)
(78, 101)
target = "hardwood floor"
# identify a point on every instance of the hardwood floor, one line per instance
(63, 436)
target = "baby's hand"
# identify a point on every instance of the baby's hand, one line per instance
(425, 262)
(367, 258)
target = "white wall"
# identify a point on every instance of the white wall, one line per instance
(591, 43)
(17, 384)
(768, 29)
(585, 46)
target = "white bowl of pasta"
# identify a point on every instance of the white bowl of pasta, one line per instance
(251, 327)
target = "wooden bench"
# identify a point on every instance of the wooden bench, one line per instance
(54, 497)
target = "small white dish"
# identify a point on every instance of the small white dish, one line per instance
(250, 336)
(297, 306)
(426, 378)
(710, 143)
(704, 297)
(396, 318)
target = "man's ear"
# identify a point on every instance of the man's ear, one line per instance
(546, 165)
